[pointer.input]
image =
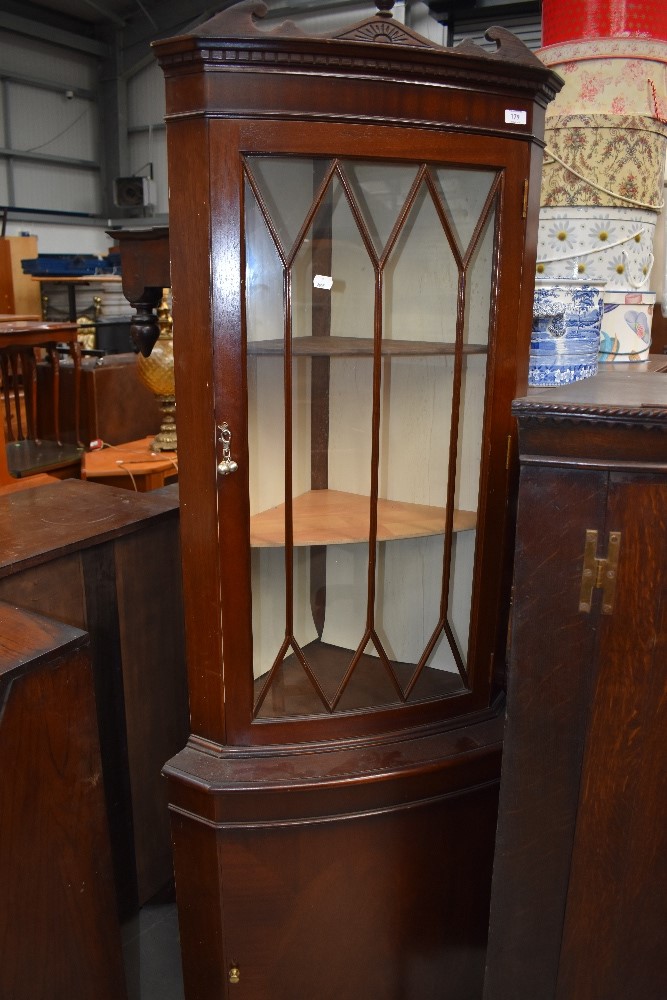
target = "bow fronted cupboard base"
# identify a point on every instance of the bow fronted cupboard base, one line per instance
(351, 219)
(579, 902)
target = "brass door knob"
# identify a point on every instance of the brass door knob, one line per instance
(234, 974)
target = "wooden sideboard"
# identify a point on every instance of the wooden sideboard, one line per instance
(115, 404)
(579, 898)
(108, 561)
(58, 927)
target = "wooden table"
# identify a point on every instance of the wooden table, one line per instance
(132, 466)
(20, 339)
(146, 271)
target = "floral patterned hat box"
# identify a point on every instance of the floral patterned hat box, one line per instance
(604, 160)
(610, 76)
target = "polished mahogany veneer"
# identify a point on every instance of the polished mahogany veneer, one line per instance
(351, 221)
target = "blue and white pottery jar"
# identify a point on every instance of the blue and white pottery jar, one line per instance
(565, 340)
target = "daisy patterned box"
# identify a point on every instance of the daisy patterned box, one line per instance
(613, 246)
(604, 160)
(626, 326)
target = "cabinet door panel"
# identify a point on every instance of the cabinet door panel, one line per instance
(540, 778)
(376, 906)
(613, 941)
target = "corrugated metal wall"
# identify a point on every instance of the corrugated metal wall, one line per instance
(147, 138)
(57, 142)
(526, 27)
(50, 142)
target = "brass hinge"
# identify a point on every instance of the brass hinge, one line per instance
(599, 572)
(525, 200)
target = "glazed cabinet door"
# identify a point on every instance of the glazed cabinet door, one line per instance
(346, 440)
(375, 326)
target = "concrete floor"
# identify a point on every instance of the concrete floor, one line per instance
(152, 954)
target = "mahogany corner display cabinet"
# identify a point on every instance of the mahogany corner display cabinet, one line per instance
(352, 229)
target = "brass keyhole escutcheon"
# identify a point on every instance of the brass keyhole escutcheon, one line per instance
(234, 974)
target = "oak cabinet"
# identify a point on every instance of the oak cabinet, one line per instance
(579, 905)
(351, 221)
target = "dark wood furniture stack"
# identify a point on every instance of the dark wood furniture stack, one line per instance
(108, 561)
(579, 904)
(350, 221)
(59, 932)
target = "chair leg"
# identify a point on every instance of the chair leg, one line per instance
(29, 370)
(75, 353)
(55, 382)
(6, 390)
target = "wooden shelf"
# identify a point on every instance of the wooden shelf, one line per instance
(331, 517)
(292, 694)
(358, 346)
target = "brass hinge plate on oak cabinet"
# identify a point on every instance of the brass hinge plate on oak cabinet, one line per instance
(599, 572)
(524, 211)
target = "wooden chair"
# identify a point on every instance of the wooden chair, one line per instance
(26, 452)
(9, 483)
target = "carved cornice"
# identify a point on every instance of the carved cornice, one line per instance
(235, 38)
(649, 417)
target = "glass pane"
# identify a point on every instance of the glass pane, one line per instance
(286, 186)
(420, 279)
(478, 316)
(380, 191)
(417, 401)
(463, 193)
(266, 436)
(331, 389)
(431, 405)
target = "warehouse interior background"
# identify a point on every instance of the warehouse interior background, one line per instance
(82, 101)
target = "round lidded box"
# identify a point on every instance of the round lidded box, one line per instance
(596, 159)
(566, 20)
(625, 334)
(565, 340)
(594, 244)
